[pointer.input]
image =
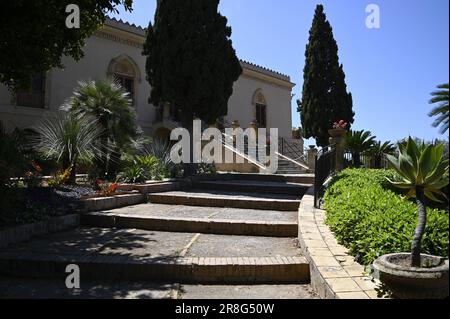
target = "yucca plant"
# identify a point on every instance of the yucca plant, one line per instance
(422, 172)
(358, 142)
(68, 138)
(441, 112)
(111, 105)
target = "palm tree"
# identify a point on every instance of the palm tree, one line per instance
(358, 142)
(67, 139)
(111, 105)
(441, 111)
(423, 173)
(378, 151)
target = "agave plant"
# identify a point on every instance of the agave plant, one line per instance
(111, 105)
(358, 142)
(423, 173)
(68, 138)
(441, 111)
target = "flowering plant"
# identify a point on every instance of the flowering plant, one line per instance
(340, 125)
(61, 178)
(106, 189)
(34, 175)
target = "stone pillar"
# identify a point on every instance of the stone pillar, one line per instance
(338, 140)
(312, 153)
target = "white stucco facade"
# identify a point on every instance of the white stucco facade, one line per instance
(117, 48)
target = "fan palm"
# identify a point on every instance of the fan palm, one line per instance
(358, 142)
(111, 105)
(67, 139)
(378, 151)
(423, 173)
(441, 111)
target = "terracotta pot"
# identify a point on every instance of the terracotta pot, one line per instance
(429, 282)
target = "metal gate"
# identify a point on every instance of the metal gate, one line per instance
(325, 167)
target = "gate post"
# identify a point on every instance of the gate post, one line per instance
(312, 153)
(338, 140)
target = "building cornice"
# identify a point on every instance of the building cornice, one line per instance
(132, 35)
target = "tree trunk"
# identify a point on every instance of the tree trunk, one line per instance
(418, 234)
(356, 159)
(73, 173)
(113, 164)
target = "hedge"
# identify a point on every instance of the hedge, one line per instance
(371, 219)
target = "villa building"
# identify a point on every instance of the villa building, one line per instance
(116, 50)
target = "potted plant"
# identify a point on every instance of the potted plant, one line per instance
(339, 129)
(422, 172)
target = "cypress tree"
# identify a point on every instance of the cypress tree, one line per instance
(325, 99)
(191, 63)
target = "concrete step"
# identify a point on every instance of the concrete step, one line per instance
(210, 198)
(264, 187)
(130, 254)
(297, 178)
(29, 288)
(206, 220)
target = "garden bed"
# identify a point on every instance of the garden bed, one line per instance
(371, 219)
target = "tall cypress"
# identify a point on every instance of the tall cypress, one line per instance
(325, 99)
(191, 63)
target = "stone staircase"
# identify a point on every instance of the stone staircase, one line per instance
(228, 229)
(286, 167)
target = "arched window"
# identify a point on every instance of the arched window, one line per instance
(125, 71)
(260, 104)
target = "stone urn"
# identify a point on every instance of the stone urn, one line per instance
(405, 282)
(337, 132)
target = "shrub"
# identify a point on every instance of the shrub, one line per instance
(371, 219)
(140, 169)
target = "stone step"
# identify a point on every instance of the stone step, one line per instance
(210, 198)
(297, 178)
(111, 254)
(29, 288)
(147, 218)
(254, 186)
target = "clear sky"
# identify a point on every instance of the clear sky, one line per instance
(390, 71)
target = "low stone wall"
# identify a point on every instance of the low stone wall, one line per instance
(106, 203)
(138, 196)
(25, 232)
(334, 273)
(153, 187)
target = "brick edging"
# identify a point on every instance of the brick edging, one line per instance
(334, 273)
(25, 232)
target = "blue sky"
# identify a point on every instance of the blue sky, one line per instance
(390, 71)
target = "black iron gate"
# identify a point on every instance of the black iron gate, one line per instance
(325, 167)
